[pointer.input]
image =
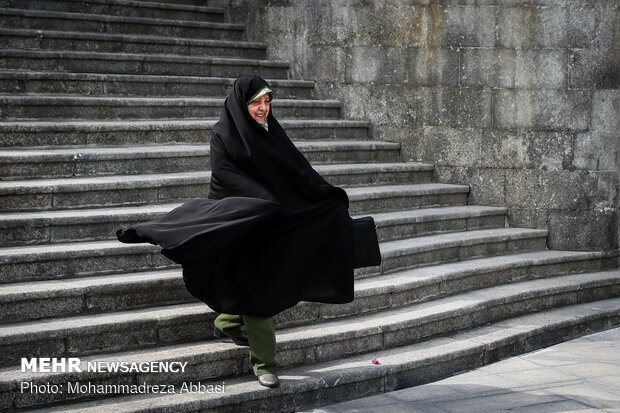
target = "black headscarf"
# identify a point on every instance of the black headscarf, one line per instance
(269, 158)
(273, 231)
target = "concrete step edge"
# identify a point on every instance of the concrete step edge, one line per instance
(425, 278)
(352, 377)
(357, 193)
(342, 164)
(201, 177)
(85, 216)
(443, 213)
(438, 272)
(158, 124)
(380, 323)
(67, 76)
(15, 156)
(452, 239)
(389, 249)
(157, 5)
(59, 100)
(386, 320)
(140, 57)
(328, 167)
(103, 191)
(103, 182)
(129, 38)
(61, 226)
(119, 19)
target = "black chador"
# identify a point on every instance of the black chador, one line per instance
(272, 232)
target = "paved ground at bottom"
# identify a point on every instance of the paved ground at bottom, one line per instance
(581, 375)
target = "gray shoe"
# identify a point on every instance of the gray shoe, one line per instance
(269, 380)
(240, 340)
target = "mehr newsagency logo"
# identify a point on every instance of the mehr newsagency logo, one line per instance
(75, 365)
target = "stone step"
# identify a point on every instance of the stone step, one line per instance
(76, 259)
(427, 221)
(126, 8)
(118, 292)
(52, 226)
(126, 190)
(19, 81)
(88, 161)
(109, 133)
(306, 387)
(14, 107)
(360, 152)
(32, 39)
(456, 246)
(186, 2)
(332, 340)
(138, 64)
(101, 23)
(43, 227)
(69, 162)
(401, 197)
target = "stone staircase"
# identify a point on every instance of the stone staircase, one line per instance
(107, 108)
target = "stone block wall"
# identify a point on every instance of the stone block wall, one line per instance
(517, 98)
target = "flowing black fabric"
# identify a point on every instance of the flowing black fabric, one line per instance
(272, 232)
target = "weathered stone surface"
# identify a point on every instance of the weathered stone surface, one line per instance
(80, 62)
(328, 63)
(540, 69)
(117, 24)
(573, 190)
(480, 2)
(469, 26)
(395, 198)
(607, 19)
(613, 27)
(325, 23)
(487, 186)
(33, 308)
(529, 27)
(450, 146)
(410, 66)
(605, 109)
(162, 10)
(132, 85)
(542, 109)
(594, 68)
(105, 42)
(109, 133)
(457, 107)
(378, 64)
(488, 67)
(581, 26)
(386, 23)
(521, 149)
(596, 151)
(50, 262)
(529, 217)
(505, 149)
(433, 67)
(567, 229)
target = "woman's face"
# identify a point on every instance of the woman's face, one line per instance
(259, 108)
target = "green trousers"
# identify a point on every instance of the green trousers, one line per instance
(261, 335)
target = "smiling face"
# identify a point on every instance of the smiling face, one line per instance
(259, 108)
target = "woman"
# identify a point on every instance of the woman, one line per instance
(272, 232)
